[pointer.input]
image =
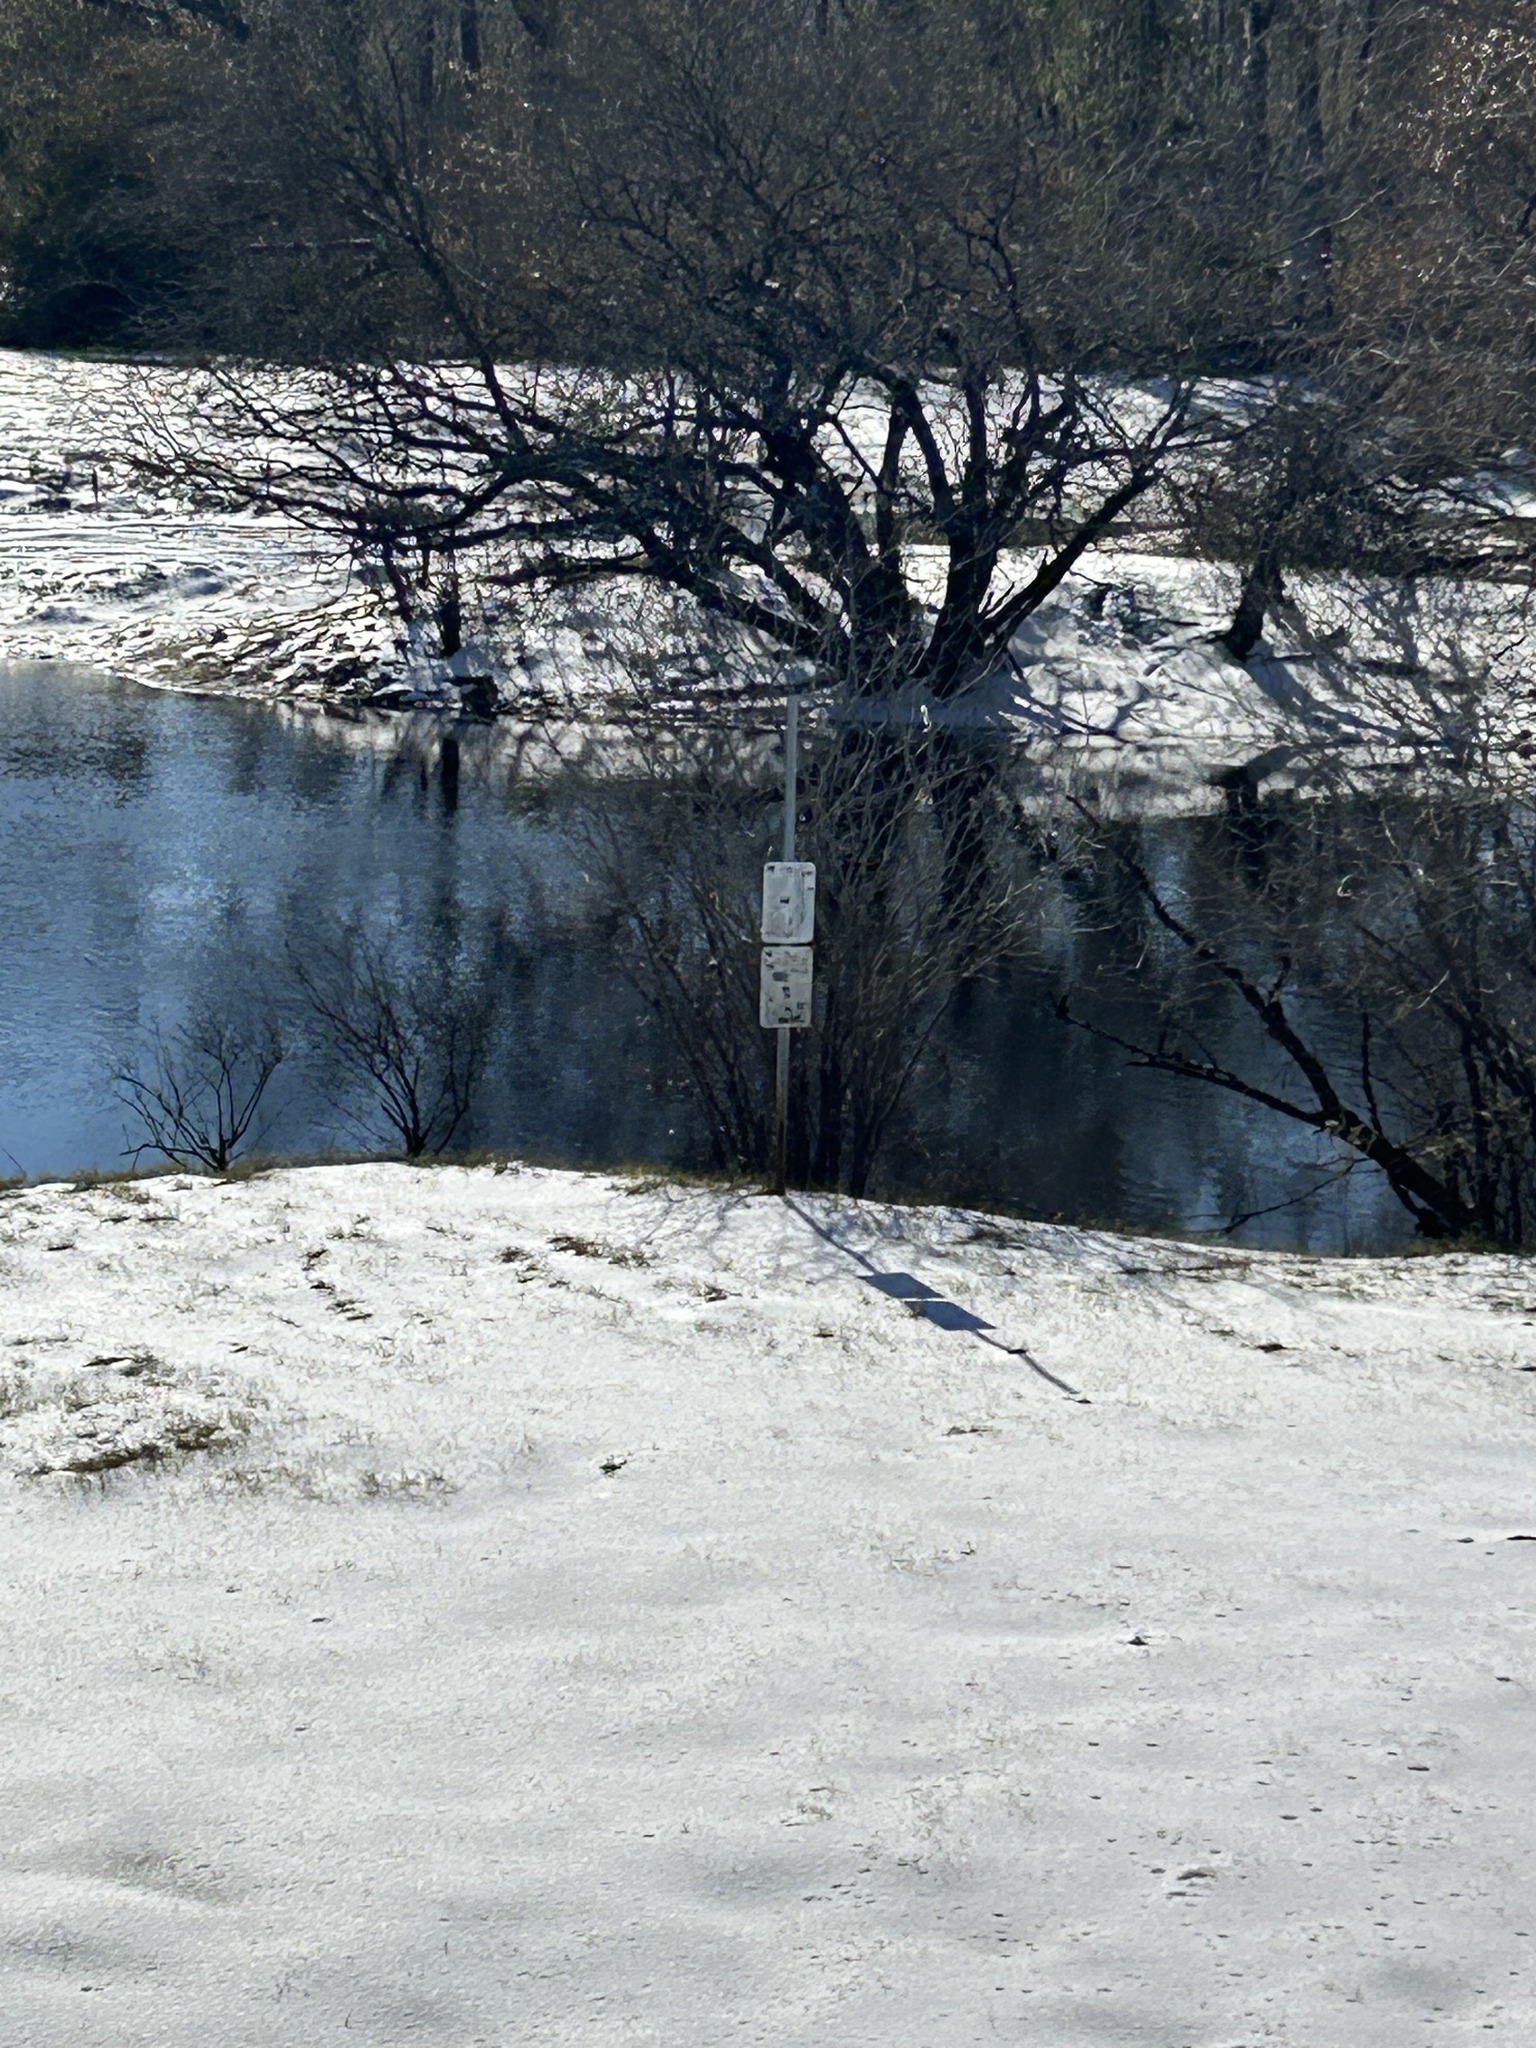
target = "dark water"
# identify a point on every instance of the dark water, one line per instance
(154, 848)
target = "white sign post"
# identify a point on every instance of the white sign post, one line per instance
(788, 927)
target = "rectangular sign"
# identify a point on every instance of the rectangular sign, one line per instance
(789, 903)
(785, 1002)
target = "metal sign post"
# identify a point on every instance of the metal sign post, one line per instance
(788, 927)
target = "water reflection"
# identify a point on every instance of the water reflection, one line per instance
(153, 847)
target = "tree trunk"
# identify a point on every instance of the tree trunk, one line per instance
(449, 612)
(1312, 235)
(426, 57)
(1263, 587)
(540, 23)
(1261, 15)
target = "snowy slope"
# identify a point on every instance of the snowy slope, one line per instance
(573, 1611)
(1119, 673)
(176, 596)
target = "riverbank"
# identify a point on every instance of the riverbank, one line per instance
(465, 1605)
(1121, 677)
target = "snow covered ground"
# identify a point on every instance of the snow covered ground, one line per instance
(473, 1606)
(1121, 671)
(96, 572)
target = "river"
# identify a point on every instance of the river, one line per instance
(157, 848)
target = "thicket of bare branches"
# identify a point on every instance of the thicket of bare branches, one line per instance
(857, 326)
(196, 1100)
(923, 883)
(393, 1031)
(1362, 964)
(403, 1035)
(800, 303)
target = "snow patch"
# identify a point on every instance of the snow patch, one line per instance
(614, 1620)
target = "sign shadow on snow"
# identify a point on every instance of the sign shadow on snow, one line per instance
(928, 1303)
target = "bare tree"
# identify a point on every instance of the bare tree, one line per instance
(924, 882)
(823, 333)
(858, 327)
(1360, 960)
(413, 1034)
(198, 1100)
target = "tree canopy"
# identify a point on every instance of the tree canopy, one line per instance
(751, 300)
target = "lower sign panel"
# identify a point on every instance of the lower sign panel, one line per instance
(786, 988)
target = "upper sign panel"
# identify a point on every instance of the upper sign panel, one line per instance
(789, 903)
